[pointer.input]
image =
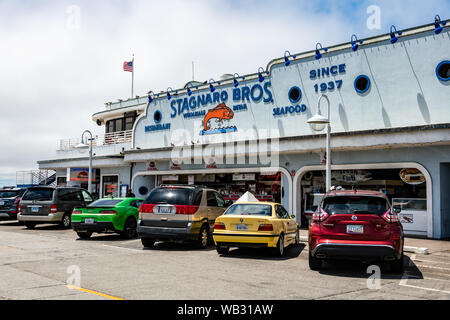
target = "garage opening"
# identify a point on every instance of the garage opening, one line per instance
(405, 188)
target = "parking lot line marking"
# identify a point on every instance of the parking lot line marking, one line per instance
(420, 260)
(423, 288)
(94, 292)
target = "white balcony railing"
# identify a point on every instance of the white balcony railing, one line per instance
(99, 140)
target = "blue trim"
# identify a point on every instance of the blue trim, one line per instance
(437, 70)
(368, 83)
(160, 118)
(299, 96)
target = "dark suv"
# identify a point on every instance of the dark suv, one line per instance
(356, 224)
(51, 205)
(9, 202)
(181, 212)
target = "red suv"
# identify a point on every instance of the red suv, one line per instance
(356, 224)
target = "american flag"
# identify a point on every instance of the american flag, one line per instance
(128, 66)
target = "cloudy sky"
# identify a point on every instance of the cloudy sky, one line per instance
(62, 60)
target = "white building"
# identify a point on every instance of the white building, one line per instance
(390, 124)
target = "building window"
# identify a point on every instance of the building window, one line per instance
(295, 94)
(121, 124)
(443, 71)
(362, 83)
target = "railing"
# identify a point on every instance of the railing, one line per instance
(36, 177)
(98, 140)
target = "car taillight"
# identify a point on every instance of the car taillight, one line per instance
(146, 208)
(265, 227)
(219, 226)
(76, 212)
(186, 209)
(319, 216)
(390, 217)
(53, 208)
(108, 211)
(19, 209)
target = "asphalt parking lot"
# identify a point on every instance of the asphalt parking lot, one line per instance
(37, 264)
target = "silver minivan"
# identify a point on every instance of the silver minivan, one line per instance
(51, 205)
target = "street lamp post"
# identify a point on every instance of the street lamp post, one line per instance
(82, 145)
(318, 123)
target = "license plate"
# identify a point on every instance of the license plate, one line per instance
(165, 210)
(241, 227)
(355, 229)
(34, 209)
(89, 221)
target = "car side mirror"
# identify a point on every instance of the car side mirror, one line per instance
(228, 203)
(397, 210)
(293, 216)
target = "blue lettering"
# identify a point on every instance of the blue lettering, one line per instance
(236, 94)
(342, 68)
(179, 101)
(201, 100)
(216, 97)
(259, 96)
(245, 93)
(192, 103)
(268, 92)
(333, 70)
(312, 74)
(185, 106)
(325, 71)
(208, 99)
(224, 96)
(172, 106)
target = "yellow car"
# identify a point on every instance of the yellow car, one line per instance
(255, 224)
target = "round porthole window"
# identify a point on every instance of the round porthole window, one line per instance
(295, 94)
(443, 71)
(362, 83)
(143, 190)
(157, 116)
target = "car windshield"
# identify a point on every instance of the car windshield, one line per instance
(43, 194)
(355, 205)
(250, 209)
(174, 196)
(8, 194)
(105, 203)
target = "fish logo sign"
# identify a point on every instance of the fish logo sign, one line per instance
(221, 113)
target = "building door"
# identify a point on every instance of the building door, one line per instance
(110, 186)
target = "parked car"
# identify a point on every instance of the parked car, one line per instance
(255, 224)
(118, 215)
(356, 224)
(9, 202)
(51, 205)
(181, 212)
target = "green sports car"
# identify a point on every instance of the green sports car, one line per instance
(117, 215)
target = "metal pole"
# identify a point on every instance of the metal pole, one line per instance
(90, 167)
(132, 78)
(328, 157)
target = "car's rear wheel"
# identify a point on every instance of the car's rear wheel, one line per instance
(84, 234)
(222, 250)
(30, 225)
(147, 242)
(397, 266)
(203, 237)
(130, 228)
(314, 263)
(66, 221)
(279, 250)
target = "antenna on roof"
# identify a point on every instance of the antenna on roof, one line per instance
(192, 70)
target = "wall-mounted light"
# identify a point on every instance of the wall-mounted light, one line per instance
(355, 42)
(150, 98)
(168, 93)
(260, 74)
(189, 91)
(235, 82)
(211, 87)
(318, 54)
(286, 58)
(438, 24)
(394, 38)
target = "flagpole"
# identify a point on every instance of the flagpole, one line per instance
(132, 78)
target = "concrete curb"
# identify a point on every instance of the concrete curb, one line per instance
(405, 248)
(416, 250)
